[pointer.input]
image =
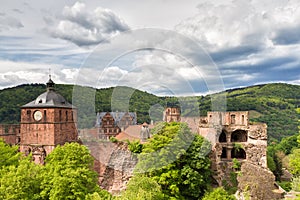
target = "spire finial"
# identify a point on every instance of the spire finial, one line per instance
(50, 83)
(49, 73)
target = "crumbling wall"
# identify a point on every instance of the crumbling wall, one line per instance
(257, 183)
(256, 154)
(114, 164)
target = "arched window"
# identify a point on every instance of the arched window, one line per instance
(239, 136)
(222, 137)
(238, 153)
(224, 153)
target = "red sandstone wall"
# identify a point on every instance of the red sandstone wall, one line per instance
(10, 133)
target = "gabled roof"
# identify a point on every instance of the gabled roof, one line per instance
(116, 115)
(132, 132)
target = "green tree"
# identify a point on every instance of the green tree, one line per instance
(135, 146)
(68, 173)
(271, 164)
(102, 195)
(273, 161)
(21, 181)
(9, 154)
(219, 194)
(177, 160)
(142, 188)
(294, 164)
(287, 144)
(296, 184)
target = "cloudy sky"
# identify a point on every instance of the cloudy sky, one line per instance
(166, 47)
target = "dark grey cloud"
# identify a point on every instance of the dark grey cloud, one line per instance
(17, 11)
(9, 22)
(287, 36)
(268, 70)
(234, 53)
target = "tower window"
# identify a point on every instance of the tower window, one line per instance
(29, 114)
(66, 115)
(232, 118)
(59, 115)
(45, 115)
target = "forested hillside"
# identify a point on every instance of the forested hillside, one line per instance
(274, 104)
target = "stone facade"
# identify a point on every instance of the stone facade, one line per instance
(110, 124)
(171, 114)
(233, 137)
(55, 128)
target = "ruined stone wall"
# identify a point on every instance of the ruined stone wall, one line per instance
(233, 137)
(227, 118)
(114, 163)
(257, 183)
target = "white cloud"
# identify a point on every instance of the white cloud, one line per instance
(16, 73)
(84, 27)
(240, 23)
(250, 41)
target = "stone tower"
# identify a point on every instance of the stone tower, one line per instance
(46, 122)
(172, 114)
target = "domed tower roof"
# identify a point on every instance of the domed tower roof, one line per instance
(50, 98)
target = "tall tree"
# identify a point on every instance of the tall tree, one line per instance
(68, 173)
(21, 181)
(177, 160)
(218, 194)
(142, 187)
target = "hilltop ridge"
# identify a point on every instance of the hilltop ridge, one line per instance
(274, 104)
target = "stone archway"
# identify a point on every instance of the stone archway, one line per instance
(222, 137)
(239, 136)
(238, 153)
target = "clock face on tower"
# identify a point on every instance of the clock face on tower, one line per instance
(37, 115)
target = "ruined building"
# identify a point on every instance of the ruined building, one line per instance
(235, 140)
(171, 114)
(232, 136)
